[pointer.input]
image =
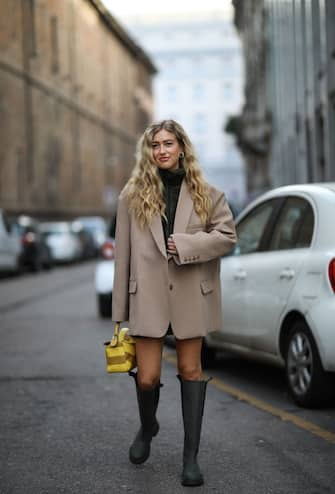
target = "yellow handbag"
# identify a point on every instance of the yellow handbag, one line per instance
(120, 351)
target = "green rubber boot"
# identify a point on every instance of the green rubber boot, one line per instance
(147, 401)
(193, 395)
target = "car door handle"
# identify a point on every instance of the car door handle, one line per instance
(241, 275)
(287, 274)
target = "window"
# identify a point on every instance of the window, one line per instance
(320, 143)
(31, 31)
(54, 44)
(295, 225)
(250, 231)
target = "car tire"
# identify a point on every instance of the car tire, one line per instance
(105, 305)
(309, 385)
(208, 355)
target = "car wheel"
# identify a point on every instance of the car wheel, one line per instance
(309, 384)
(105, 305)
(208, 355)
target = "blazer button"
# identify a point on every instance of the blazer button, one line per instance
(170, 286)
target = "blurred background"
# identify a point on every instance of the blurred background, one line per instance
(253, 83)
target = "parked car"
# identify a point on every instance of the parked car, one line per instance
(278, 289)
(10, 246)
(104, 279)
(86, 239)
(98, 228)
(36, 254)
(63, 241)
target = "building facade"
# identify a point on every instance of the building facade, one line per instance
(199, 84)
(287, 127)
(75, 93)
(302, 88)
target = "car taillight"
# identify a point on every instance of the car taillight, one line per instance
(108, 250)
(331, 273)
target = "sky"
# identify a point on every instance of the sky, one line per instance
(122, 9)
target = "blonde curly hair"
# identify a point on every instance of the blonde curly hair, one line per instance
(144, 189)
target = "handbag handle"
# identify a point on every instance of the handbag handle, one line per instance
(115, 339)
(116, 328)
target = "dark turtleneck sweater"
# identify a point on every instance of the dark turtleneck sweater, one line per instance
(172, 181)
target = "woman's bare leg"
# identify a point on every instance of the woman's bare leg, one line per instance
(189, 358)
(149, 362)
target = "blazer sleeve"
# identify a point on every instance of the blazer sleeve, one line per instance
(218, 239)
(120, 304)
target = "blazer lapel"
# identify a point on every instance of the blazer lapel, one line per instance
(184, 209)
(157, 232)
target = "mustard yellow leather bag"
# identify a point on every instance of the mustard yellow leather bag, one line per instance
(120, 351)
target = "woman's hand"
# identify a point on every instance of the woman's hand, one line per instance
(171, 247)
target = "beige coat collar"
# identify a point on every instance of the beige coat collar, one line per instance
(183, 212)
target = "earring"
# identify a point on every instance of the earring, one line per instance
(181, 155)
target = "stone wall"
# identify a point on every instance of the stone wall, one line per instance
(69, 107)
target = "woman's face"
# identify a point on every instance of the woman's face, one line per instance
(166, 150)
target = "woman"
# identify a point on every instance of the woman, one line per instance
(172, 228)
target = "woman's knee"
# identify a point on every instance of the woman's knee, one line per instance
(147, 381)
(149, 361)
(190, 372)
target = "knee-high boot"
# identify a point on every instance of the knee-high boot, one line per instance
(193, 395)
(147, 401)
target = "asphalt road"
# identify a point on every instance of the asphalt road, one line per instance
(65, 425)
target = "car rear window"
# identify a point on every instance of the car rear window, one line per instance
(295, 225)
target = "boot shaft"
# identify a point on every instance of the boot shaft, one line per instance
(147, 401)
(193, 394)
(147, 404)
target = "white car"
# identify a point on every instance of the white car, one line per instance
(10, 245)
(104, 279)
(278, 288)
(63, 242)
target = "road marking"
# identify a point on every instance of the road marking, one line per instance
(262, 405)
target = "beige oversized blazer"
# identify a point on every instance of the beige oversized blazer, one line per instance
(152, 288)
